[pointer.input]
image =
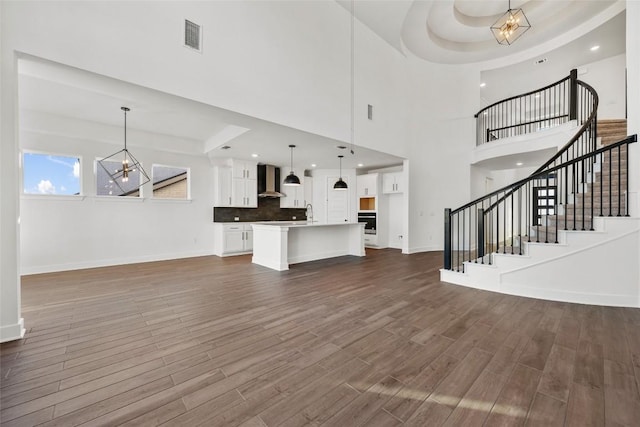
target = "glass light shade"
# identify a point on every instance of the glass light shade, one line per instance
(291, 180)
(510, 26)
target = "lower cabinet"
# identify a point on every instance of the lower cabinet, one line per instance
(233, 239)
(371, 240)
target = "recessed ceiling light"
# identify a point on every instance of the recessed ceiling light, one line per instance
(519, 164)
(540, 61)
(225, 147)
(483, 84)
(313, 165)
(594, 48)
(360, 165)
(254, 155)
(341, 147)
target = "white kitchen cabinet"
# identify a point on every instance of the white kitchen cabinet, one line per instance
(244, 169)
(392, 182)
(223, 184)
(244, 193)
(367, 185)
(294, 195)
(233, 239)
(371, 240)
(236, 185)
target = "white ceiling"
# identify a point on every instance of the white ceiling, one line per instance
(69, 92)
(449, 31)
(457, 31)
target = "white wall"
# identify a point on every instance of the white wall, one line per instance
(62, 233)
(633, 94)
(441, 134)
(608, 79)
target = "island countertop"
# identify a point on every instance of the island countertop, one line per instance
(276, 244)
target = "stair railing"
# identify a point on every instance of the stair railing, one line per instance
(530, 112)
(489, 223)
(502, 220)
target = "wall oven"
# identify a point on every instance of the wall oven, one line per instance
(369, 219)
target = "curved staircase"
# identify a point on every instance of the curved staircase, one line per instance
(562, 233)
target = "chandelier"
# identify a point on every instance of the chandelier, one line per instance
(510, 26)
(121, 164)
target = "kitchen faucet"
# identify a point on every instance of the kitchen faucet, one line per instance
(309, 208)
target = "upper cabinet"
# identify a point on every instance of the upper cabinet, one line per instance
(367, 185)
(294, 195)
(392, 182)
(237, 184)
(244, 169)
(223, 184)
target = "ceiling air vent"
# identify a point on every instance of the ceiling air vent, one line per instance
(192, 35)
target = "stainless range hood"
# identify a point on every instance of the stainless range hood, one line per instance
(268, 181)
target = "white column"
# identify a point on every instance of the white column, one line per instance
(633, 105)
(633, 102)
(11, 324)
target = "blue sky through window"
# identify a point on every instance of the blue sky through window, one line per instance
(49, 174)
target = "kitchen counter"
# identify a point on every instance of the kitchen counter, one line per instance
(277, 244)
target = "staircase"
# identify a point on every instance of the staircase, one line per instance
(604, 192)
(564, 232)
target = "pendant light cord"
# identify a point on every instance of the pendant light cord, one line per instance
(353, 5)
(125, 130)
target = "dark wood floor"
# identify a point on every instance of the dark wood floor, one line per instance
(376, 341)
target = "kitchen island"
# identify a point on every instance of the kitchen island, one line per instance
(277, 244)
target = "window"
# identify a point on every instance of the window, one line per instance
(544, 202)
(105, 186)
(170, 182)
(50, 174)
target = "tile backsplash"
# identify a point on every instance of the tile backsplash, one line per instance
(268, 210)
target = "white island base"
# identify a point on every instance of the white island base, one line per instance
(278, 244)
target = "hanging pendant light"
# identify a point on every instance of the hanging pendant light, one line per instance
(127, 165)
(291, 179)
(340, 184)
(510, 26)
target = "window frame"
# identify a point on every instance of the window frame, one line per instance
(188, 171)
(81, 187)
(116, 196)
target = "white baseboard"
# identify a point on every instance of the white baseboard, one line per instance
(12, 332)
(418, 249)
(110, 262)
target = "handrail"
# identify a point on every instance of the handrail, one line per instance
(589, 122)
(492, 234)
(555, 192)
(540, 174)
(551, 105)
(521, 95)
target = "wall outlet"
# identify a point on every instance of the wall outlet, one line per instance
(236, 218)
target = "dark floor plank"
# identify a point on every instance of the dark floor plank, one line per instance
(377, 340)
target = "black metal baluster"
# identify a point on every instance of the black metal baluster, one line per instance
(593, 183)
(601, 182)
(546, 218)
(626, 197)
(511, 197)
(458, 242)
(520, 219)
(584, 191)
(610, 193)
(504, 223)
(464, 254)
(619, 180)
(575, 197)
(497, 224)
